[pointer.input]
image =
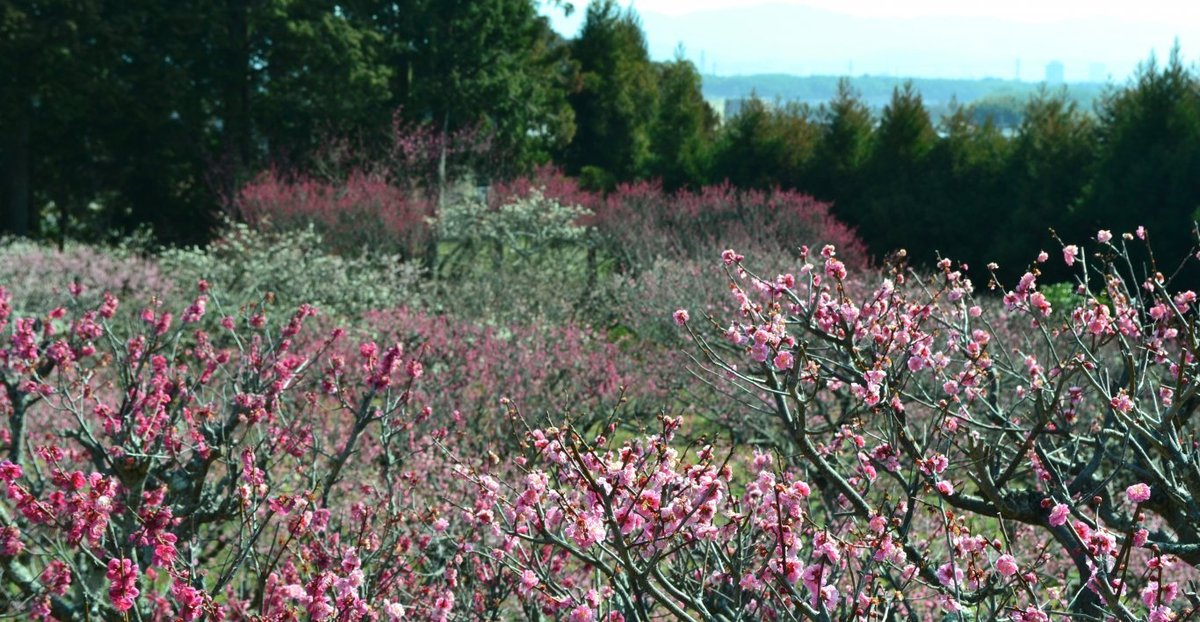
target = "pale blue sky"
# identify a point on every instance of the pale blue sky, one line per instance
(919, 38)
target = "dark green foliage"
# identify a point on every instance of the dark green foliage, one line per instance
(967, 169)
(494, 65)
(897, 211)
(683, 126)
(843, 150)
(1148, 164)
(615, 104)
(117, 115)
(765, 146)
(1048, 169)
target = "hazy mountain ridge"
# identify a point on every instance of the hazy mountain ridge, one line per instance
(778, 38)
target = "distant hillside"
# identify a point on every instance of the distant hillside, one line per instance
(801, 40)
(876, 91)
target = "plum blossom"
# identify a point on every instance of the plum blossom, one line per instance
(1069, 253)
(1138, 493)
(1006, 565)
(122, 576)
(1058, 515)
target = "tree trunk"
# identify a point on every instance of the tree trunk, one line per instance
(236, 142)
(16, 169)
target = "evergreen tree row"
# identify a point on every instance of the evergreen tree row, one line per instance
(120, 114)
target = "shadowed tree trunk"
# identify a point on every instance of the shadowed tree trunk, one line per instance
(16, 174)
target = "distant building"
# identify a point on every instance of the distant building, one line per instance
(1054, 72)
(1097, 73)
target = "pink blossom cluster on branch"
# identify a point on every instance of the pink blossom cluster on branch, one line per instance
(152, 470)
(931, 452)
(910, 448)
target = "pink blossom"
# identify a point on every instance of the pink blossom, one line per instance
(1140, 536)
(122, 576)
(835, 269)
(681, 316)
(10, 541)
(394, 611)
(1138, 493)
(1006, 565)
(1103, 236)
(1154, 594)
(783, 360)
(10, 472)
(1058, 515)
(1030, 614)
(949, 574)
(56, 577)
(945, 487)
(1069, 253)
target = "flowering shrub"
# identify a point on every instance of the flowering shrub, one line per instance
(293, 267)
(643, 222)
(932, 455)
(362, 197)
(37, 276)
(524, 260)
(363, 211)
(1026, 462)
(910, 448)
(148, 472)
(551, 183)
(475, 370)
(526, 230)
(528, 222)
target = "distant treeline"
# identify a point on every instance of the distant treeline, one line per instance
(115, 115)
(963, 188)
(878, 89)
(1001, 100)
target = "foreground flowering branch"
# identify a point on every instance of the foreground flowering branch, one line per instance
(927, 452)
(996, 441)
(156, 471)
(917, 450)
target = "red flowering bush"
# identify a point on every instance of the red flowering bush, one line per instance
(641, 222)
(551, 183)
(370, 199)
(363, 211)
(644, 222)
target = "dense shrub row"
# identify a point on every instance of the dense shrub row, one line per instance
(636, 223)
